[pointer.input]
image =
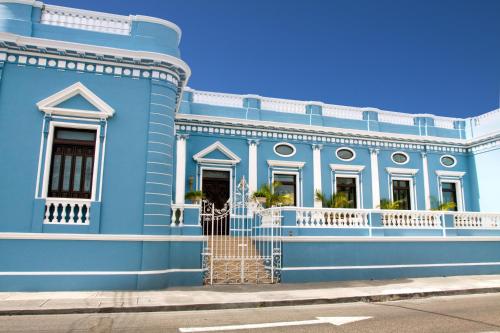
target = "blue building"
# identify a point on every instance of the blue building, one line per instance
(101, 140)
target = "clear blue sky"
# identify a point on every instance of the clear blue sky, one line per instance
(422, 56)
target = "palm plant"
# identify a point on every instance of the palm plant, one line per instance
(337, 200)
(446, 206)
(389, 204)
(273, 197)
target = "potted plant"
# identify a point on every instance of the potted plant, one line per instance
(268, 196)
(195, 196)
(260, 196)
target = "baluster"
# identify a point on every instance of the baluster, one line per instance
(181, 216)
(80, 214)
(47, 213)
(71, 214)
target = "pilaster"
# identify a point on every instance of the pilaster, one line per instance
(375, 177)
(252, 165)
(425, 168)
(317, 173)
(180, 168)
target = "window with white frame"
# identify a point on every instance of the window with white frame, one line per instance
(72, 163)
(402, 193)
(348, 186)
(287, 185)
(449, 194)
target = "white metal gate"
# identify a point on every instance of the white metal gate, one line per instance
(242, 241)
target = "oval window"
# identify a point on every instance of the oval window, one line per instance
(400, 158)
(284, 149)
(448, 161)
(345, 154)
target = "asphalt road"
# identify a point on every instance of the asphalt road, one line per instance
(473, 313)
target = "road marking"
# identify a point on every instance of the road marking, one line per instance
(337, 321)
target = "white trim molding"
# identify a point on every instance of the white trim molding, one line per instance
(286, 164)
(100, 237)
(232, 157)
(452, 174)
(401, 171)
(50, 104)
(347, 168)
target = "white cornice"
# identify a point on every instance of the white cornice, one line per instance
(235, 122)
(444, 173)
(100, 50)
(322, 130)
(344, 167)
(286, 164)
(401, 171)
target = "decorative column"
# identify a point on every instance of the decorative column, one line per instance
(425, 168)
(252, 165)
(317, 172)
(375, 177)
(180, 168)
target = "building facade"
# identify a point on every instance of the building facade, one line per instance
(101, 140)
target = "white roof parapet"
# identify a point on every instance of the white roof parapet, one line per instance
(86, 20)
(395, 118)
(329, 110)
(283, 105)
(220, 99)
(97, 21)
(340, 111)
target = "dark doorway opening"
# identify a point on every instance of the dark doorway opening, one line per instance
(216, 186)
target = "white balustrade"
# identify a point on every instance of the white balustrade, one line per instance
(343, 112)
(395, 118)
(282, 105)
(332, 218)
(411, 219)
(212, 98)
(86, 20)
(448, 123)
(473, 220)
(67, 211)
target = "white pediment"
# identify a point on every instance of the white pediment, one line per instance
(203, 155)
(96, 107)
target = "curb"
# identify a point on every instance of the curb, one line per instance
(256, 304)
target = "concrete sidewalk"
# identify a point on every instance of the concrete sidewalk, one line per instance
(241, 296)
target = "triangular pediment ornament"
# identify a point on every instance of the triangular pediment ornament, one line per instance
(96, 107)
(203, 155)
